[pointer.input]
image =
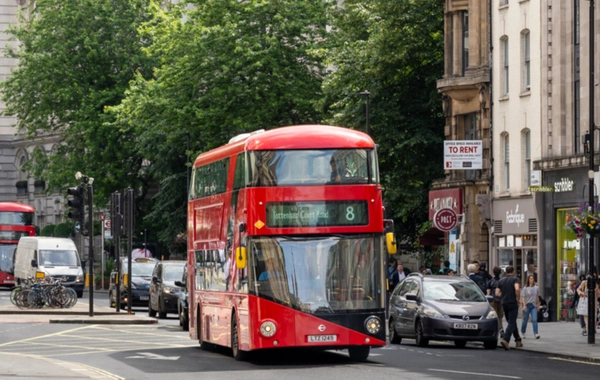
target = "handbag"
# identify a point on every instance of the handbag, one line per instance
(582, 306)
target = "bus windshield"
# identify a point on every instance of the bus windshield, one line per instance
(16, 218)
(312, 167)
(7, 252)
(318, 274)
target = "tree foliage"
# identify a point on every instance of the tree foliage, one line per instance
(75, 58)
(393, 49)
(226, 67)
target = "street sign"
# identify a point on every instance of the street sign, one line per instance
(77, 227)
(541, 189)
(445, 219)
(107, 224)
(101, 216)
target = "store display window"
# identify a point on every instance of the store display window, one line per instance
(568, 257)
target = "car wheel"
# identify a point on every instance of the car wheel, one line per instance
(420, 339)
(161, 313)
(151, 312)
(460, 343)
(79, 293)
(394, 338)
(186, 323)
(359, 353)
(490, 345)
(238, 354)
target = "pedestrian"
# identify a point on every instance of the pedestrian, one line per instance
(483, 273)
(472, 273)
(497, 301)
(575, 303)
(446, 268)
(450, 272)
(510, 291)
(531, 304)
(397, 276)
(582, 306)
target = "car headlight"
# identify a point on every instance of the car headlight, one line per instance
(78, 278)
(432, 313)
(491, 315)
(268, 329)
(168, 290)
(373, 325)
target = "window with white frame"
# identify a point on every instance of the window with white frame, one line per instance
(465, 41)
(526, 61)
(504, 59)
(526, 159)
(506, 158)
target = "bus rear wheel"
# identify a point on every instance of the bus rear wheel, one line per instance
(238, 354)
(359, 353)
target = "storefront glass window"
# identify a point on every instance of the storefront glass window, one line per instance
(568, 256)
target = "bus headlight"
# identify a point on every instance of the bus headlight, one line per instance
(268, 329)
(373, 325)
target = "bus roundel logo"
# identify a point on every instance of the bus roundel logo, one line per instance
(322, 328)
(445, 219)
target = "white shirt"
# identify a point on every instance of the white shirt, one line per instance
(401, 276)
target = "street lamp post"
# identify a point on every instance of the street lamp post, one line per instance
(88, 181)
(367, 95)
(591, 327)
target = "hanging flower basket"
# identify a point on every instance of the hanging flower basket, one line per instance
(584, 221)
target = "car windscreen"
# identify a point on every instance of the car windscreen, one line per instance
(59, 257)
(173, 272)
(452, 291)
(141, 269)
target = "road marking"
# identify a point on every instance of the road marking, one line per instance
(44, 336)
(575, 361)
(473, 373)
(150, 355)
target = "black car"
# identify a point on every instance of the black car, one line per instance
(164, 294)
(141, 276)
(441, 308)
(182, 305)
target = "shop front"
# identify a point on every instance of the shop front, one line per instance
(516, 236)
(566, 254)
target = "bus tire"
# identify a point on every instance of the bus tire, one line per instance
(237, 354)
(359, 353)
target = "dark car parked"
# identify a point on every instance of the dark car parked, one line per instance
(182, 305)
(441, 308)
(141, 274)
(164, 294)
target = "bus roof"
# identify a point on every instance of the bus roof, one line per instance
(293, 137)
(15, 207)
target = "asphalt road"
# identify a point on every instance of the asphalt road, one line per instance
(164, 351)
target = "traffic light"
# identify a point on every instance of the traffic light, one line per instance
(77, 204)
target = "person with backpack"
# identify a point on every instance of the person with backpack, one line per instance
(497, 301)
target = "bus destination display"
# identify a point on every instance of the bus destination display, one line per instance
(317, 214)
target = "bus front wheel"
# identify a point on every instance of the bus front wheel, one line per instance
(359, 353)
(238, 354)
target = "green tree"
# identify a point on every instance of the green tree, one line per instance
(230, 67)
(75, 58)
(48, 230)
(393, 49)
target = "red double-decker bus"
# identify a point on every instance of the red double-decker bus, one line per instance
(16, 221)
(286, 242)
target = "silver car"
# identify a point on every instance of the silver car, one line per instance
(441, 308)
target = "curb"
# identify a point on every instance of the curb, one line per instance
(566, 357)
(92, 321)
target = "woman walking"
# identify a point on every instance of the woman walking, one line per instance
(582, 306)
(531, 305)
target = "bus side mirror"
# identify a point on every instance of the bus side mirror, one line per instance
(34, 263)
(241, 257)
(126, 279)
(390, 242)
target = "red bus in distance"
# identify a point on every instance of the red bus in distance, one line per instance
(286, 242)
(16, 221)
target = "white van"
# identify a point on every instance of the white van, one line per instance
(56, 257)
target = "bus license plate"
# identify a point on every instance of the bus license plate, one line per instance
(322, 338)
(465, 326)
(144, 298)
(9, 281)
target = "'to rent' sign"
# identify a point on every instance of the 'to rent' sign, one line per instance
(463, 154)
(445, 219)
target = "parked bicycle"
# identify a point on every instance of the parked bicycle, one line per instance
(36, 294)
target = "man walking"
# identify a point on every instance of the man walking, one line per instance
(510, 292)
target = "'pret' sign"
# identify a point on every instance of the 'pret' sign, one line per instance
(445, 219)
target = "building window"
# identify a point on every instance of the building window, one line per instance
(504, 58)
(526, 62)
(471, 133)
(465, 41)
(503, 2)
(527, 159)
(506, 157)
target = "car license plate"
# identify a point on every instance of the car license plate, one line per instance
(322, 338)
(465, 326)
(143, 298)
